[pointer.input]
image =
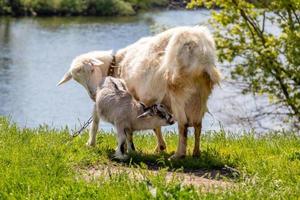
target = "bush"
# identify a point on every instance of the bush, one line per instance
(72, 7)
(4, 7)
(76, 7)
(142, 4)
(267, 61)
(123, 8)
(110, 7)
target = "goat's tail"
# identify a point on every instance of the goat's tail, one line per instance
(191, 51)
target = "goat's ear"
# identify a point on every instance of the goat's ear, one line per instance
(145, 114)
(66, 78)
(96, 62)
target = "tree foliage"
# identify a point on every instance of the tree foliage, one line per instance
(261, 39)
(76, 7)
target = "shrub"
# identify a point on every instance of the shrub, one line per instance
(267, 61)
(76, 7)
(4, 7)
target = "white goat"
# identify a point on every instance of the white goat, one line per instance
(89, 69)
(175, 67)
(114, 104)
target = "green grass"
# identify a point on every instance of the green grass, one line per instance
(42, 164)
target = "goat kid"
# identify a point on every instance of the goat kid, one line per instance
(115, 105)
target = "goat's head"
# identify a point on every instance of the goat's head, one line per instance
(158, 111)
(87, 72)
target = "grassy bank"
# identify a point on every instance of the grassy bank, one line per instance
(44, 164)
(77, 7)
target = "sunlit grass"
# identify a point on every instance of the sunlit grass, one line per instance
(43, 163)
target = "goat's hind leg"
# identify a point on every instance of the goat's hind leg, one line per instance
(93, 129)
(196, 151)
(130, 145)
(121, 149)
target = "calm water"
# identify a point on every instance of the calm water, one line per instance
(36, 52)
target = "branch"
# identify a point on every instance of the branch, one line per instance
(290, 22)
(294, 12)
(281, 16)
(296, 16)
(249, 20)
(264, 21)
(286, 93)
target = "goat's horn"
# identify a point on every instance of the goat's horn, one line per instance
(144, 114)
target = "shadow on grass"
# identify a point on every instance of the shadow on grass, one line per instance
(210, 164)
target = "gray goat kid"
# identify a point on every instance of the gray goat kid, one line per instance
(115, 105)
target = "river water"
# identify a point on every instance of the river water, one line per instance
(36, 52)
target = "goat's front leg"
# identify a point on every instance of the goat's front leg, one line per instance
(197, 127)
(182, 142)
(161, 144)
(93, 129)
(120, 151)
(179, 113)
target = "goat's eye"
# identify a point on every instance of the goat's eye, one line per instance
(161, 107)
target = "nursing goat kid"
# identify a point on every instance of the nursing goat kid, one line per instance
(115, 105)
(89, 69)
(176, 68)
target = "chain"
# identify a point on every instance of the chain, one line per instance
(86, 124)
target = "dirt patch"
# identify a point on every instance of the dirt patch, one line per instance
(204, 179)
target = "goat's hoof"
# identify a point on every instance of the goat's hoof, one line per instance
(196, 154)
(90, 144)
(131, 150)
(121, 157)
(176, 157)
(160, 148)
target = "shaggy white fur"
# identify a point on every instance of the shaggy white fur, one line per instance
(175, 67)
